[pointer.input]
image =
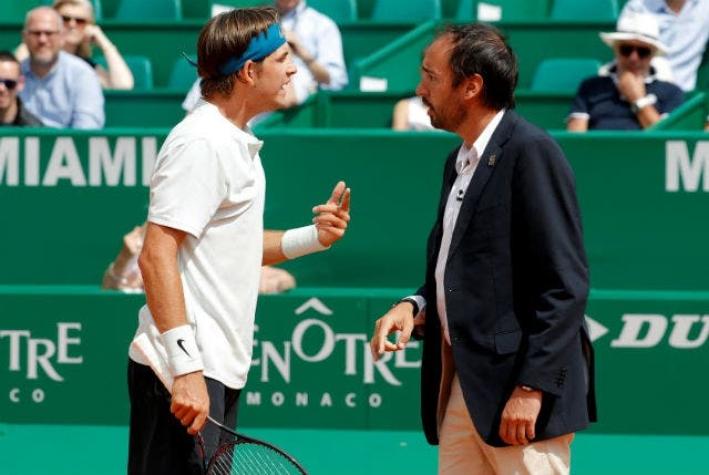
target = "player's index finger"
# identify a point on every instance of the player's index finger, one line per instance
(337, 192)
(344, 203)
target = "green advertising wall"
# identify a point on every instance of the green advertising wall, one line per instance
(63, 360)
(68, 198)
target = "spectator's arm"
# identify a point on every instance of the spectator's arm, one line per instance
(119, 75)
(579, 116)
(577, 124)
(648, 116)
(330, 56)
(88, 105)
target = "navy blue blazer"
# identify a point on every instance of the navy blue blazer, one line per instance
(516, 285)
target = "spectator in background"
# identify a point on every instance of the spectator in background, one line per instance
(316, 44)
(411, 114)
(684, 30)
(81, 34)
(61, 89)
(629, 97)
(12, 112)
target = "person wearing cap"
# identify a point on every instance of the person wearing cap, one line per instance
(630, 96)
(684, 30)
(205, 244)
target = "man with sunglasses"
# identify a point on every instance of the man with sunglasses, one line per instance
(12, 112)
(629, 96)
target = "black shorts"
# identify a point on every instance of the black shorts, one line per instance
(159, 444)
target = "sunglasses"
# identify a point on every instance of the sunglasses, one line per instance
(627, 50)
(10, 84)
(79, 21)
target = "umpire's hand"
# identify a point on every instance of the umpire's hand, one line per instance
(190, 401)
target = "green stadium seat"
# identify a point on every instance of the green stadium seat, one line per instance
(411, 10)
(515, 10)
(131, 10)
(98, 10)
(109, 8)
(585, 10)
(16, 10)
(341, 11)
(563, 75)
(140, 66)
(238, 4)
(197, 9)
(183, 74)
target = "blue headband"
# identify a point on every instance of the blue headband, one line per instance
(259, 47)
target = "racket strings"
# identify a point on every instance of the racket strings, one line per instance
(245, 458)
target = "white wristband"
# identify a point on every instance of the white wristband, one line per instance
(301, 241)
(182, 353)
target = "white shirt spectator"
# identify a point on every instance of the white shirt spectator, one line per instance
(685, 35)
(321, 37)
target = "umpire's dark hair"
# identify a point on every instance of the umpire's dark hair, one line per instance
(8, 56)
(225, 36)
(482, 49)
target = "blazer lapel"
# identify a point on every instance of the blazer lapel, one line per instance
(490, 159)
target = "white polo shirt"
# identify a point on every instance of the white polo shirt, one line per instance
(208, 181)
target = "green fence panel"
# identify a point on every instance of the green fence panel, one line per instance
(312, 367)
(156, 108)
(533, 42)
(351, 109)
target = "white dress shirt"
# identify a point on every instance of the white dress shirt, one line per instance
(465, 164)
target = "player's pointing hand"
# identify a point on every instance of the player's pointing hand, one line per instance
(333, 217)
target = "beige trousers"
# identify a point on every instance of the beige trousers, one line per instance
(463, 452)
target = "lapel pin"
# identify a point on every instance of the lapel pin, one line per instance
(491, 161)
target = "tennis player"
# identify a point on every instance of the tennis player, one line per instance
(205, 245)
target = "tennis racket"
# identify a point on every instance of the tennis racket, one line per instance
(240, 455)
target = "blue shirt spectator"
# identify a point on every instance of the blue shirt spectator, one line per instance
(60, 89)
(684, 29)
